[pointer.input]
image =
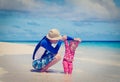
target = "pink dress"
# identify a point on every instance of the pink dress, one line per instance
(68, 57)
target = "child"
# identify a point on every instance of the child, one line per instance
(70, 48)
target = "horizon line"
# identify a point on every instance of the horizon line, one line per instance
(39, 40)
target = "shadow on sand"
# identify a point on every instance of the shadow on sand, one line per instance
(48, 71)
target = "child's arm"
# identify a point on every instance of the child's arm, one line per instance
(67, 51)
(66, 43)
(77, 41)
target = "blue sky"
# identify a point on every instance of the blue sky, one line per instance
(87, 19)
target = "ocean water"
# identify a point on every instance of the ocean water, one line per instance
(102, 44)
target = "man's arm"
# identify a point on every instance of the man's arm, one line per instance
(50, 48)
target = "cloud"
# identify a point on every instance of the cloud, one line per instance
(77, 10)
(20, 5)
(94, 9)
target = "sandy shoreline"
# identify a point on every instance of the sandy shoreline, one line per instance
(15, 49)
(15, 66)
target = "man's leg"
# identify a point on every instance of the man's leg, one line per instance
(54, 61)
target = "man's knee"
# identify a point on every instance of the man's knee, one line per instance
(58, 57)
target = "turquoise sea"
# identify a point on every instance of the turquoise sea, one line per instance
(108, 44)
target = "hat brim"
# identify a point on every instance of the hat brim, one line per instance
(56, 38)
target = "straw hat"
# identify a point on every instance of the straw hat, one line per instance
(54, 34)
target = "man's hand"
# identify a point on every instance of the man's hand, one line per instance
(64, 37)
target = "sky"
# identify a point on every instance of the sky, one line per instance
(86, 19)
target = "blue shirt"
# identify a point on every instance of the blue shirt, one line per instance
(45, 43)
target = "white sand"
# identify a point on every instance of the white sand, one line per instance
(3, 71)
(15, 49)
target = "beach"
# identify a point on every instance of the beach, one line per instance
(91, 64)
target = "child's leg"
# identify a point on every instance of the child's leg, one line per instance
(65, 66)
(70, 67)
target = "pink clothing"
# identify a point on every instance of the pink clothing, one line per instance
(69, 56)
(68, 67)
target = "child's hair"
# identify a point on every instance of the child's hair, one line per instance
(74, 42)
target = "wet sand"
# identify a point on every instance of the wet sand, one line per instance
(15, 66)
